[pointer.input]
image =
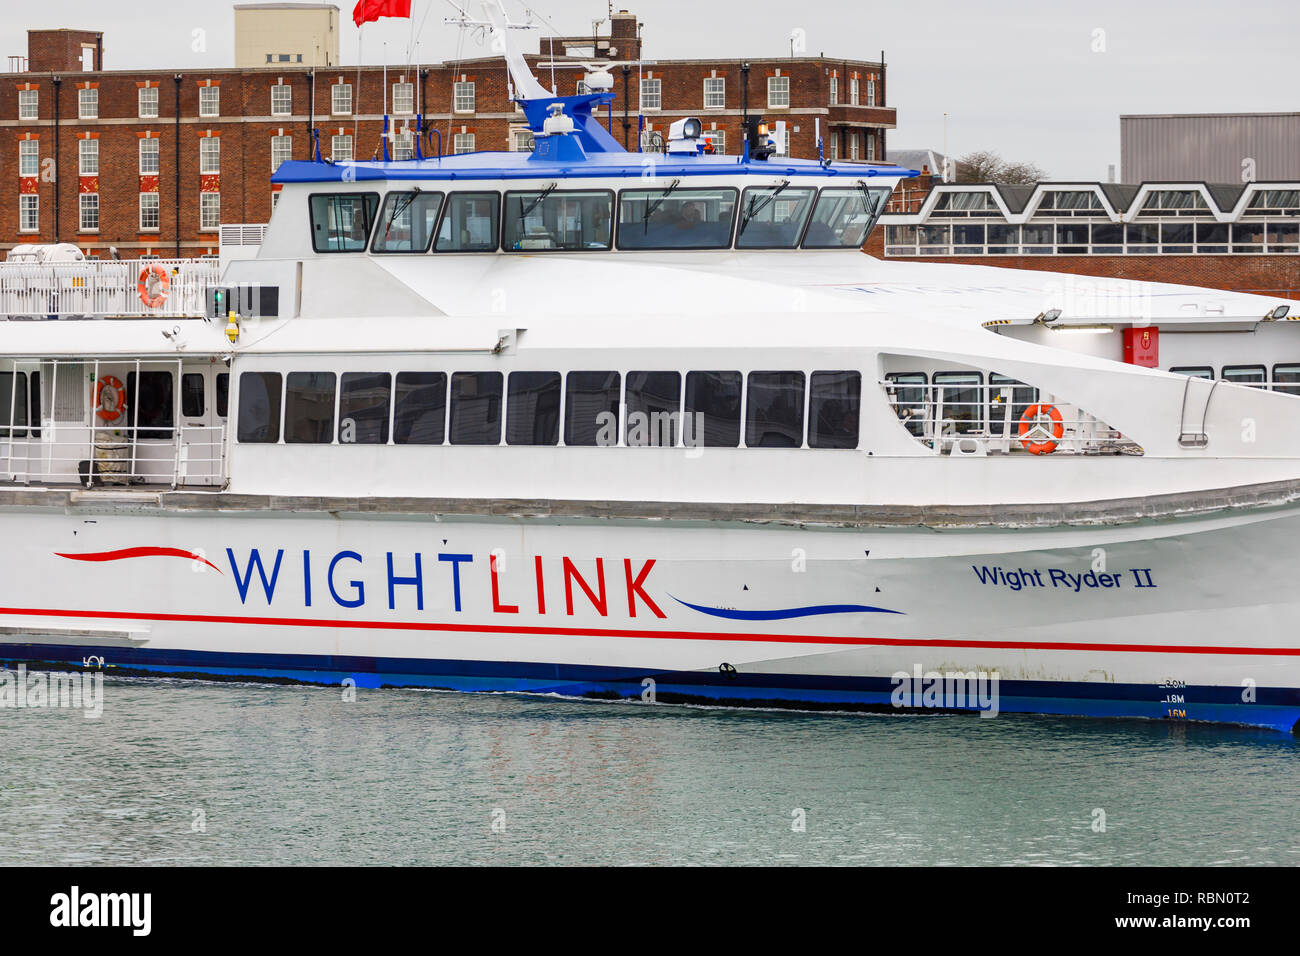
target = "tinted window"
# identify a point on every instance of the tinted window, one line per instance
(36, 404)
(842, 218)
(420, 411)
(772, 217)
(549, 221)
(653, 406)
(713, 407)
(223, 394)
(1005, 392)
(407, 222)
(1196, 371)
(470, 223)
(1245, 374)
(591, 408)
(476, 408)
(341, 222)
(533, 410)
(1286, 378)
(259, 407)
(192, 395)
(363, 408)
(907, 393)
(675, 218)
(833, 410)
(961, 401)
(309, 408)
(774, 410)
(13, 404)
(152, 408)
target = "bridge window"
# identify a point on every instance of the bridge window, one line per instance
(672, 218)
(842, 218)
(151, 407)
(420, 413)
(470, 223)
(774, 410)
(772, 217)
(834, 409)
(549, 221)
(363, 408)
(407, 222)
(533, 410)
(712, 409)
(591, 401)
(654, 405)
(476, 408)
(309, 408)
(340, 222)
(259, 407)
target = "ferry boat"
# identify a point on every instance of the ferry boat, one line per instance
(651, 426)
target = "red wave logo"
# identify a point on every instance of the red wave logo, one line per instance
(127, 553)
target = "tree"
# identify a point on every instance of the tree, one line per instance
(986, 166)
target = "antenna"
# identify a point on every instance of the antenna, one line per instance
(498, 24)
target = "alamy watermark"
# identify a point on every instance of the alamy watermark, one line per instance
(21, 689)
(953, 690)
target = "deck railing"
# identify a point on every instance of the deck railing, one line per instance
(106, 288)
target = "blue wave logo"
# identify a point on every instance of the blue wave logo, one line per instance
(785, 613)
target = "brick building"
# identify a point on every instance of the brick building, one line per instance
(1241, 238)
(153, 162)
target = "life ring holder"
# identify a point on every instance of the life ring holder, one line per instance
(110, 399)
(1031, 420)
(153, 286)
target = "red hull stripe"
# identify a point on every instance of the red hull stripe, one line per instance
(654, 635)
(125, 553)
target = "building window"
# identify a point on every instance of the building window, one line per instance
(147, 102)
(835, 90)
(149, 212)
(835, 146)
(88, 104)
(209, 212)
(209, 101)
(871, 147)
(853, 91)
(281, 150)
(853, 147)
(778, 91)
(29, 219)
(29, 157)
(340, 149)
(341, 98)
(521, 140)
(715, 92)
(871, 92)
(717, 138)
(404, 144)
(462, 143)
(209, 156)
(403, 97)
(281, 99)
(88, 157)
(463, 97)
(88, 219)
(29, 104)
(651, 94)
(148, 157)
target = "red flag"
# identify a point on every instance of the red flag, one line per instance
(369, 10)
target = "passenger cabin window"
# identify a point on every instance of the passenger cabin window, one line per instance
(407, 222)
(712, 410)
(476, 408)
(772, 217)
(653, 405)
(1286, 379)
(1194, 371)
(420, 410)
(533, 409)
(309, 408)
(363, 408)
(842, 218)
(259, 407)
(341, 222)
(834, 409)
(1255, 375)
(591, 401)
(551, 221)
(907, 393)
(774, 410)
(1006, 393)
(192, 397)
(961, 402)
(151, 406)
(13, 405)
(470, 223)
(672, 218)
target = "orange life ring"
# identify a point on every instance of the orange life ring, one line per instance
(1031, 420)
(153, 286)
(110, 399)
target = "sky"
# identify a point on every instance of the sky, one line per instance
(1042, 82)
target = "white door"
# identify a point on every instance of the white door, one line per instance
(204, 401)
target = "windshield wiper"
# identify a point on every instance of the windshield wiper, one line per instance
(868, 206)
(652, 208)
(755, 207)
(523, 213)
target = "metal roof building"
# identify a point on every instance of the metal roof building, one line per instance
(1210, 147)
